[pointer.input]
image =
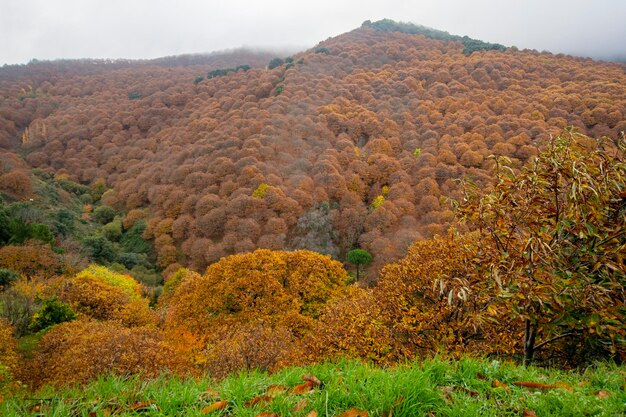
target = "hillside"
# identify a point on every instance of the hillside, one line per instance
(367, 116)
(395, 192)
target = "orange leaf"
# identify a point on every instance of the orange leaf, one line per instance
(209, 393)
(499, 384)
(602, 394)
(354, 413)
(564, 386)
(303, 388)
(312, 378)
(274, 390)
(529, 413)
(219, 405)
(537, 385)
(267, 414)
(142, 406)
(301, 405)
(312, 414)
(264, 399)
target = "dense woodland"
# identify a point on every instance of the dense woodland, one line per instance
(411, 144)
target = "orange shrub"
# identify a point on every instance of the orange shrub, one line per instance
(248, 286)
(433, 301)
(8, 352)
(251, 310)
(79, 351)
(101, 294)
(255, 345)
(31, 260)
(352, 325)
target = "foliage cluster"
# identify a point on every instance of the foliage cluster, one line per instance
(224, 71)
(469, 45)
(251, 310)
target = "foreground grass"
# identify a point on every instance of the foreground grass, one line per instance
(432, 388)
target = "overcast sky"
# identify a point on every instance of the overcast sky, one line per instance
(50, 29)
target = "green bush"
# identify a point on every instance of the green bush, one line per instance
(99, 248)
(133, 241)
(103, 214)
(275, 62)
(7, 276)
(52, 312)
(113, 230)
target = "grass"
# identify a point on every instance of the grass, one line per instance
(431, 388)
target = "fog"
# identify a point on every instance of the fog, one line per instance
(45, 29)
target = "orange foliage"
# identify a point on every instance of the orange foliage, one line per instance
(433, 301)
(16, 183)
(80, 351)
(254, 285)
(8, 352)
(31, 260)
(103, 295)
(251, 310)
(353, 325)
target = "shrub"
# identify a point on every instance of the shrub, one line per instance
(17, 307)
(8, 353)
(52, 312)
(7, 276)
(275, 62)
(271, 285)
(99, 248)
(79, 351)
(103, 214)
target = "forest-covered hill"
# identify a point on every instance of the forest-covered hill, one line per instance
(176, 213)
(354, 143)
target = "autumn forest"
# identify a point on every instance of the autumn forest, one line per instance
(393, 193)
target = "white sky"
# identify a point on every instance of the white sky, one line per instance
(50, 29)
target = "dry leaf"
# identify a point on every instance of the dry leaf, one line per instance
(466, 391)
(602, 394)
(140, 406)
(529, 413)
(354, 413)
(219, 405)
(312, 414)
(499, 384)
(93, 414)
(481, 376)
(267, 414)
(564, 386)
(261, 399)
(312, 378)
(537, 385)
(209, 394)
(301, 405)
(307, 387)
(274, 390)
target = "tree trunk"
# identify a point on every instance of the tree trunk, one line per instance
(530, 334)
(357, 272)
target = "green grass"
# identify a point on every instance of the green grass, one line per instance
(434, 387)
